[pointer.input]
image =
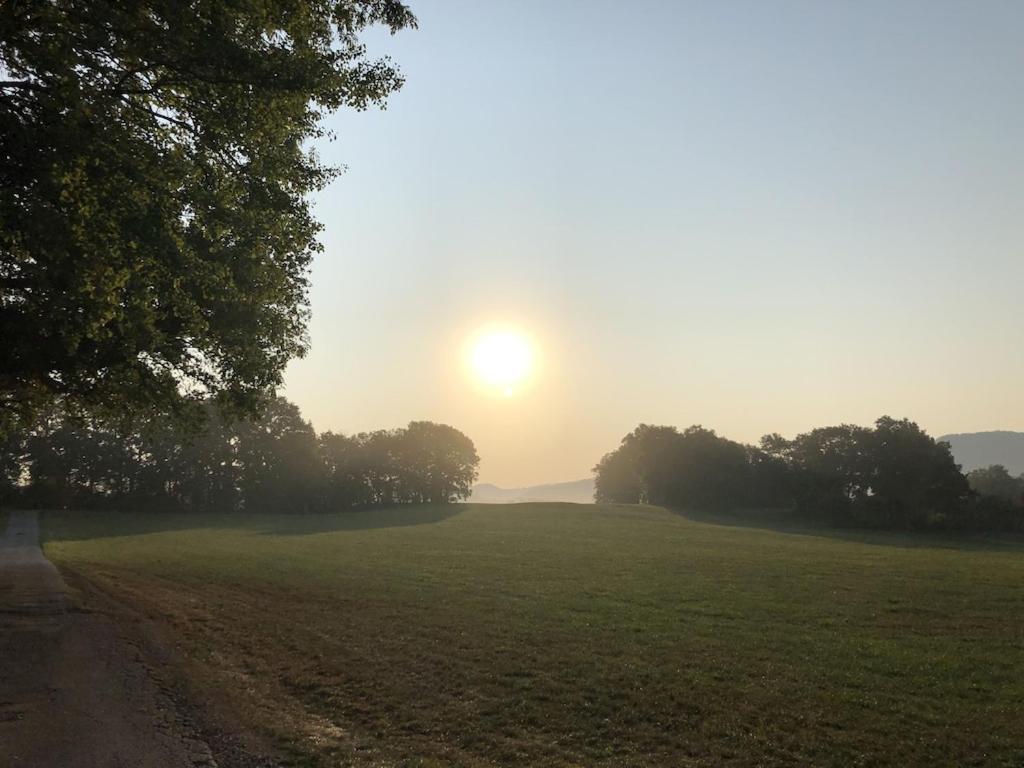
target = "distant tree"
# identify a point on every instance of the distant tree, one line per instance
(74, 462)
(439, 463)
(617, 479)
(771, 480)
(894, 475)
(423, 463)
(280, 468)
(380, 467)
(272, 464)
(828, 468)
(641, 469)
(12, 458)
(712, 471)
(345, 472)
(155, 162)
(997, 481)
(50, 455)
(915, 481)
(660, 465)
(196, 470)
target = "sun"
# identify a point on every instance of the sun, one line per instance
(501, 359)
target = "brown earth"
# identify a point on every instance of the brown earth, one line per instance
(85, 682)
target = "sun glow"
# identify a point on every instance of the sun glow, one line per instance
(501, 359)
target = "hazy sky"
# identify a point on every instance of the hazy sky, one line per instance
(756, 216)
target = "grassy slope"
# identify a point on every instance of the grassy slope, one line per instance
(565, 635)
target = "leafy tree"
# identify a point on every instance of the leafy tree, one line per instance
(660, 465)
(617, 479)
(423, 463)
(12, 459)
(193, 470)
(345, 468)
(894, 475)
(380, 467)
(771, 480)
(828, 469)
(915, 481)
(276, 463)
(996, 481)
(439, 463)
(155, 163)
(641, 470)
(712, 471)
(279, 460)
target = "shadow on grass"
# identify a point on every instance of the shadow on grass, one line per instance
(784, 521)
(357, 520)
(86, 525)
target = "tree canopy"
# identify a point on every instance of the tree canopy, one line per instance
(274, 464)
(155, 162)
(892, 475)
(660, 465)
(996, 481)
(423, 463)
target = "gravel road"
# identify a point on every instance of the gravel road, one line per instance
(76, 691)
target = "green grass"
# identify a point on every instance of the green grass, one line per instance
(581, 635)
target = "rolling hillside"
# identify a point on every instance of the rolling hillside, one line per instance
(981, 449)
(560, 635)
(577, 491)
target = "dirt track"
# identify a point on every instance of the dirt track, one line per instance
(79, 688)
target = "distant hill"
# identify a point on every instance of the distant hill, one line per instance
(980, 449)
(578, 491)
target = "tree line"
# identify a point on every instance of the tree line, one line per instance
(995, 481)
(891, 475)
(275, 463)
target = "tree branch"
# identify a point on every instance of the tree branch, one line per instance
(22, 84)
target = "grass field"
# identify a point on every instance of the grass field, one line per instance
(581, 635)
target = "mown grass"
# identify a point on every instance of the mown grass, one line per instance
(580, 635)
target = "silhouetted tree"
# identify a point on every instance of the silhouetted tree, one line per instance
(641, 469)
(660, 465)
(346, 483)
(273, 464)
(438, 463)
(771, 481)
(713, 472)
(425, 462)
(12, 459)
(893, 475)
(996, 481)
(827, 467)
(279, 462)
(914, 481)
(617, 479)
(198, 470)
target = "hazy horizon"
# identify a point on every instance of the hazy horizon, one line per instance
(754, 217)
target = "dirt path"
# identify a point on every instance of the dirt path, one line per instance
(74, 691)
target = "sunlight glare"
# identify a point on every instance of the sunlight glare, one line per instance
(501, 359)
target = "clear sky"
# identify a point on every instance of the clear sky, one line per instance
(756, 216)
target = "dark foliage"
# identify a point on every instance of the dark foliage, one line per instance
(997, 481)
(277, 463)
(693, 468)
(893, 475)
(422, 463)
(155, 228)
